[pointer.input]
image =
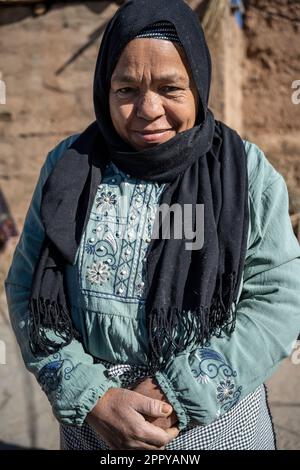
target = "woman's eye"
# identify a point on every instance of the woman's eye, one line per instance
(125, 91)
(170, 89)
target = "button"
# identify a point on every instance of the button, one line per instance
(120, 290)
(133, 217)
(127, 251)
(123, 272)
(101, 248)
(148, 240)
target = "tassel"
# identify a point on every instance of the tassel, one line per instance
(49, 315)
(192, 327)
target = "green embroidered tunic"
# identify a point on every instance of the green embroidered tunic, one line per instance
(106, 287)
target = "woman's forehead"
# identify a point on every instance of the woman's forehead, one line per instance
(162, 57)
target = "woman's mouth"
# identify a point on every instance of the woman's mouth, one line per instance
(152, 135)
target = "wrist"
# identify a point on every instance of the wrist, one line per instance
(95, 411)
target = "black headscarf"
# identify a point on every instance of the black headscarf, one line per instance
(191, 294)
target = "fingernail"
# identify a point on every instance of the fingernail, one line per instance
(166, 408)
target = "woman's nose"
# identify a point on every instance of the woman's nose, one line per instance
(149, 107)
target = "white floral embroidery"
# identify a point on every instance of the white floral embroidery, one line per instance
(98, 273)
(225, 390)
(118, 236)
(106, 201)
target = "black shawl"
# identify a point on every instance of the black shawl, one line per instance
(191, 294)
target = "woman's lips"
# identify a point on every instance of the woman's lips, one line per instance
(152, 136)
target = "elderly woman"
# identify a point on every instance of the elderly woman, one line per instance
(141, 340)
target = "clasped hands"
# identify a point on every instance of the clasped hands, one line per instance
(138, 417)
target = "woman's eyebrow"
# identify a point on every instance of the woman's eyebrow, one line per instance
(125, 78)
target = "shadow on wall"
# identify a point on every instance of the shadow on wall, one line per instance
(13, 14)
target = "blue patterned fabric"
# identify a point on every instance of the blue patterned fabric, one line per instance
(114, 246)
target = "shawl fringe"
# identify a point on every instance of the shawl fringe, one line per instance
(196, 327)
(48, 315)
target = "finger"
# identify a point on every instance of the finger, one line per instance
(152, 435)
(132, 444)
(137, 445)
(152, 407)
(172, 432)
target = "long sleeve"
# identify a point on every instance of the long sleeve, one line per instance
(70, 378)
(204, 383)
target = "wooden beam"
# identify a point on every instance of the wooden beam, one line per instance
(213, 14)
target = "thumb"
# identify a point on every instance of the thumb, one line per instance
(167, 409)
(152, 407)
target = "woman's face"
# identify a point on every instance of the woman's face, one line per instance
(152, 95)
